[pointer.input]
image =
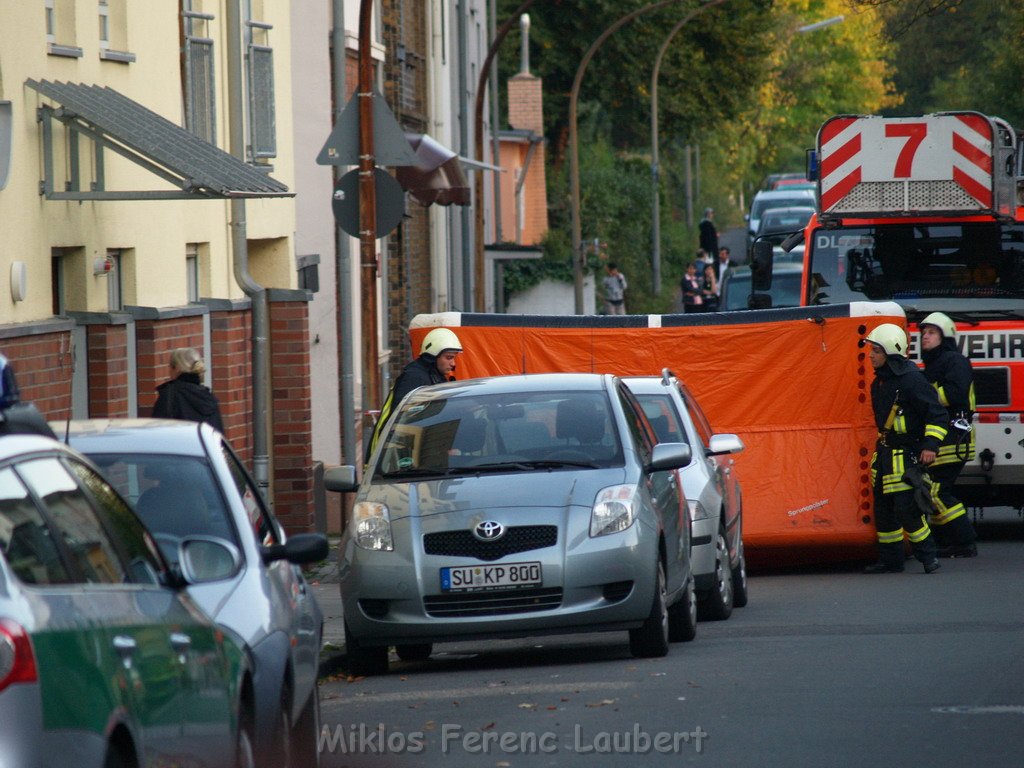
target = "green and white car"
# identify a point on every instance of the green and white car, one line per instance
(105, 662)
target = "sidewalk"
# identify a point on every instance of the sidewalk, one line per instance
(323, 580)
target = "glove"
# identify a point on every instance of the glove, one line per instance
(916, 476)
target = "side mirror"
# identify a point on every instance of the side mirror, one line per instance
(202, 559)
(341, 479)
(762, 257)
(724, 443)
(300, 549)
(669, 456)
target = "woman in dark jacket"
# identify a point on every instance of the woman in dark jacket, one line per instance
(184, 397)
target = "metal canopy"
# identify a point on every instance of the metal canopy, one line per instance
(115, 122)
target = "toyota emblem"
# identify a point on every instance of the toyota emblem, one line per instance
(489, 530)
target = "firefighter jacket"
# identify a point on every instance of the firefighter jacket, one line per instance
(953, 378)
(419, 373)
(909, 420)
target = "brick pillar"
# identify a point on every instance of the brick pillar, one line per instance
(526, 103)
(231, 356)
(43, 366)
(108, 370)
(292, 462)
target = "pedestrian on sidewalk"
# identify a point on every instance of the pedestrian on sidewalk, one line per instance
(185, 396)
(614, 289)
(708, 233)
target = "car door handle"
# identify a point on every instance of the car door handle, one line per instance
(180, 642)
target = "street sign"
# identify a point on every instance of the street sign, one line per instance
(390, 202)
(390, 146)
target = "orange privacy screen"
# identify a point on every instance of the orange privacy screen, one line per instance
(796, 391)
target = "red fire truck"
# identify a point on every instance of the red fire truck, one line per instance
(929, 212)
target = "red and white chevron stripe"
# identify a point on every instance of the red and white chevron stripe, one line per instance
(954, 147)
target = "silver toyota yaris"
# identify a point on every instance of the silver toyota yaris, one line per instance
(514, 506)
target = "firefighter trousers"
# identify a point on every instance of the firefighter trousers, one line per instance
(897, 514)
(950, 522)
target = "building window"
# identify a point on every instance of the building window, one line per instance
(60, 28)
(260, 65)
(192, 272)
(198, 74)
(114, 31)
(115, 286)
(57, 281)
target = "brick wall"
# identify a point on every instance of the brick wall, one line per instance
(43, 367)
(154, 342)
(292, 450)
(526, 103)
(108, 370)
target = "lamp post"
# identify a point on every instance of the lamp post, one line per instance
(655, 170)
(478, 147)
(574, 159)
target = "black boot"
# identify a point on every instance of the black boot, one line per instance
(959, 550)
(932, 567)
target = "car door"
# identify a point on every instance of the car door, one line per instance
(725, 478)
(666, 493)
(162, 652)
(301, 619)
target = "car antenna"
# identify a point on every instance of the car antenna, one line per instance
(67, 428)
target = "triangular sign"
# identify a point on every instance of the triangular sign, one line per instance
(390, 147)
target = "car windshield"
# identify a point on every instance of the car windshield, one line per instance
(175, 496)
(507, 432)
(778, 223)
(910, 262)
(762, 204)
(785, 290)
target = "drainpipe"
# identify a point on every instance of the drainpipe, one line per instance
(240, 252)
(462, 11)
(343, 259)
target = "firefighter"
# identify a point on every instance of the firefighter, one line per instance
(910, 429)
(950, 373)
(436, 364)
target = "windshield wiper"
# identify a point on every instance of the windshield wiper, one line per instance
(397, 474)
(557, 463)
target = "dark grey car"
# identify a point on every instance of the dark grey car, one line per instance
(512, 506)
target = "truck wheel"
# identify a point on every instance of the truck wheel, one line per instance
(716, 603)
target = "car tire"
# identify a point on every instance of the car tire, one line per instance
(739, 580)
(650, 639)
(682, 617)
(414, 651)
(116, 758)
(245, 755)
(365, 660)
(280, 753)
(716, 604)
(306, 733)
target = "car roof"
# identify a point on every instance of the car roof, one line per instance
(167, 436)
(648, 385)
(778, 194)
(533, 382)
(12, 446)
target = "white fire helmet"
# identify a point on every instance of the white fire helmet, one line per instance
(890, 337)
(440, 340)
(946, 326)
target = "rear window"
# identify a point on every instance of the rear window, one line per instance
(761, 205)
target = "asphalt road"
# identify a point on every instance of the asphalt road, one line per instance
(825, 666)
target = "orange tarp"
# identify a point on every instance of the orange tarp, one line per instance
(795, 389)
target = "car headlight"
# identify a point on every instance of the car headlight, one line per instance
(372, 525)
(614, 510)
(697, 511)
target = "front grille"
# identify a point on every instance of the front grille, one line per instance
(516, 539)
(992, 386)
(493, 603)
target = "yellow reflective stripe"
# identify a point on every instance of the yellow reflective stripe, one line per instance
(949, 515)
(970, 396)
(921, 533)
(899, 425)
(890, 537)
(941, 392)
(898, 464)
(934, 430)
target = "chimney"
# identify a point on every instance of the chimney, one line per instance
(525, 100)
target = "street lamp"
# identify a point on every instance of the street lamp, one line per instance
(574, 152)
(655, 171)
